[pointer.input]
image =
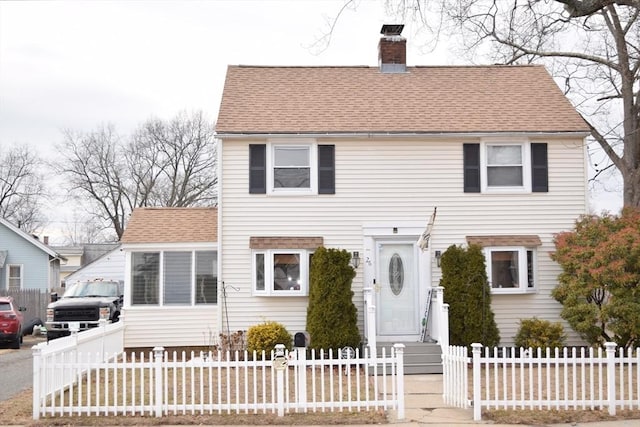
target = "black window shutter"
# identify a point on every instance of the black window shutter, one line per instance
(326, 169)
(539, 168)
(257, 168)
(471, 160)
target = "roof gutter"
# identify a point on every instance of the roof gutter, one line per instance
(413, 135)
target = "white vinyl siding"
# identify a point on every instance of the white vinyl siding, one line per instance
(109, 266)
(395, 181)
(172, 326)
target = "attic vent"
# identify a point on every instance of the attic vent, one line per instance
(392, 49)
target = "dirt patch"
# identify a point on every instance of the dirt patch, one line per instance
(555, 416)
(18, 411)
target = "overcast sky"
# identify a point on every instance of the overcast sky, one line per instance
(78, 64)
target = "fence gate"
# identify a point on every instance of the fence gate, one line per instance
(455, 377)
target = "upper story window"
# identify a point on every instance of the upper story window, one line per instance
(510, 269)
(300, 168)
(292, 168)
(174, 278)
(505, 167)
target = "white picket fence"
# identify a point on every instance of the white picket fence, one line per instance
(103, 343)
(159, 383)
(511, 378)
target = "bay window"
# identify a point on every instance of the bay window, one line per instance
(283, 272)
(510, 269)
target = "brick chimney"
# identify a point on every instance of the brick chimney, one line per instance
(46, 240)
(392, 49)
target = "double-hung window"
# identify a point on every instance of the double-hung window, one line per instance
(174, 277)
(510, 269)
(505, 167)
(291, 167)
(299, 167)
(14, 277)
(281, 272)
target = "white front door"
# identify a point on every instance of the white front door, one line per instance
(397, 289)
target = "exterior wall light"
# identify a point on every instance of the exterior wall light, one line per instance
(438, 256)
(355, 259)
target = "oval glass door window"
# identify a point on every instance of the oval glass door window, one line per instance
(396, 274)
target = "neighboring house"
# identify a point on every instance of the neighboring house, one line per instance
(357, 158)
(171, 280)
(26, 262)
(73, 254)
(109, 265)
(79, 256)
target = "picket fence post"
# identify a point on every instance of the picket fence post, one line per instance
(280, 364)
(477, 407)
(611, 376)
(37, 374)
(400, 378)
(158, 353)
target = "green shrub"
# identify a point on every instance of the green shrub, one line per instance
(538, 333)
(266, 335)
(332, 318)
(466, 290)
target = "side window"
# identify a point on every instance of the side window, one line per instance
(145, 278)
(177, 278)
(206, 286)
(510, 269)
(180, 277)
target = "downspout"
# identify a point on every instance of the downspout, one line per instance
(220, 239)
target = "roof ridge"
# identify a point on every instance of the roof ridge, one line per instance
(375, 66)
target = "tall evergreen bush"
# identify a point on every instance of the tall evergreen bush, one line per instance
(466, 290)
(331, 315)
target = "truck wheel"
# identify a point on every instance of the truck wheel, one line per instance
(16, 344)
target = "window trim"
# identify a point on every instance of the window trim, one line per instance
(312, 145)
(525, 146)
(305, 266)
(21, 267)
(523, 267)
(161, 276)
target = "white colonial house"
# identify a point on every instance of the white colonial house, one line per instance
(358, 158)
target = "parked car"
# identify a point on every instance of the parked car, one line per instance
(11, 320)
(83, 306)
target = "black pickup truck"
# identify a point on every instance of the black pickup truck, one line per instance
(83, 306)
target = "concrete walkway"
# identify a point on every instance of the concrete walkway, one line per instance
(424, 406)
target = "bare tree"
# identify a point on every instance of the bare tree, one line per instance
(163, 164)
(22, 188)
(97, 174)
(85, 228)
(592, 46)
(174, 162)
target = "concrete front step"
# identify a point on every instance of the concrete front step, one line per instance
(419, 357)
